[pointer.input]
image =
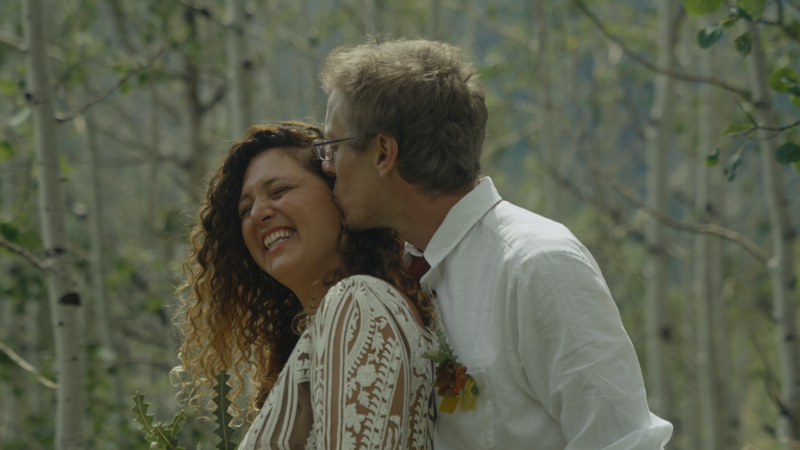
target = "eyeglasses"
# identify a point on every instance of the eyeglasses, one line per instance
(324, 150)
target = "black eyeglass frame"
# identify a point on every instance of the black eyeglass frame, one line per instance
(321, 147)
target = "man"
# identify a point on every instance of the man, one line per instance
(523, 303)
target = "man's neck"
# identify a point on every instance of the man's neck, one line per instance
(419, 214)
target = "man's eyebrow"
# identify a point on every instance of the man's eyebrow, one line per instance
(265, 185)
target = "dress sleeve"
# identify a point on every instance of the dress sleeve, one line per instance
(578, 358)
(365, 389)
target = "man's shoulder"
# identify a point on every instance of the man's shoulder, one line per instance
(527, 234)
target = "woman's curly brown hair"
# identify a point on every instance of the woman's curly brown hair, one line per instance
(237, 317)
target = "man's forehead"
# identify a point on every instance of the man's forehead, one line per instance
(334, 117)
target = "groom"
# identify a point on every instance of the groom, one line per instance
(523, 303)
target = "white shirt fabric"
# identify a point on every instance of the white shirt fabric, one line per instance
(527, 310)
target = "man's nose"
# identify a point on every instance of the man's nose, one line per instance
(329, 167)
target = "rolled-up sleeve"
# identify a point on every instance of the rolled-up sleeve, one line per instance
(578, 359)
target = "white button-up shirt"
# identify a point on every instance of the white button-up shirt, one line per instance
(527, 310)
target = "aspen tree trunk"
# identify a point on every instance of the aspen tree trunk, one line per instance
(470, 25)
(239, 69)
(65, 302)
(781, 266)
(8, 411)
(196, 164)
(370, 14)
(544, 62)
(711, 357)
(151, 186)
(33, 392)
(101, 326)
(658, 135)
(432, 24)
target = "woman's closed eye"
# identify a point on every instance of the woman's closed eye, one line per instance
(245, 212)
(278, 191)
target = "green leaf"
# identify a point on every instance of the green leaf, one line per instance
(175, 426)
(732, 166)
(221, 416)
(751, 6)
(140, 408)
(125, 87)
(701, 7)
(9, 231)
(712, 159)
(6, 151)
(153, 305)
(744, 43)
(795, 99)
(780, 80)
(737, 128)
(742, 14)
(729, 21)
(788, 153)
(709, 36)
(8, 87)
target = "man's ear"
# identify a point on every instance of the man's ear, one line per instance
(386, 157)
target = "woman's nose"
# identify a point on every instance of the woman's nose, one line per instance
(262, 211)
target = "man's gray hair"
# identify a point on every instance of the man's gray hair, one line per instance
(425, 95)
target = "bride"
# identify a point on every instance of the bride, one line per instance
(271, 260)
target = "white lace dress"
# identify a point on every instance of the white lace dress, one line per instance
(355, 379)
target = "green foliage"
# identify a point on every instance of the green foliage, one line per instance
(742, 14)
(712, 159)
(744, 43)
(732, 166)
(701, 7)
(709, 36)
(737, 128)
(163, 435)
(6, 151)
(221, 415)
(783, 79)
(443, 352)
(788, 153)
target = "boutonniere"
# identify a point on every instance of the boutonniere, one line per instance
(454, 384)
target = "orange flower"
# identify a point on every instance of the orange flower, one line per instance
(460, 379)
(450, 379)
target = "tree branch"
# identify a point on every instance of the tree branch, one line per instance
(18, 45)
(25, 254)
(102, 97)
(708, 228)
(27, 366)
(678, 75)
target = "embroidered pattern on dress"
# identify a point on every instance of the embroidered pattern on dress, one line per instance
(363, 348)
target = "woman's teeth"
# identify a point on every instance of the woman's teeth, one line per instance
(277, 237)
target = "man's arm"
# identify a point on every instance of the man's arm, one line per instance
(578, 358)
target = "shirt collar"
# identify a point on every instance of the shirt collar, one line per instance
(459, 220)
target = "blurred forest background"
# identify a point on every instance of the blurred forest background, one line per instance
(660, 132)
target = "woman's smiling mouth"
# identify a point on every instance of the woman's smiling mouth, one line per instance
(277, 237)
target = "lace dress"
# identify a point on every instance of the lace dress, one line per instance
(355, 379)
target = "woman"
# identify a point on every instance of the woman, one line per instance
(270, 253)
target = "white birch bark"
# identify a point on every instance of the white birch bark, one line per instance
(239, 69)
(781, 266)
(658, 135)
(65, 302)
